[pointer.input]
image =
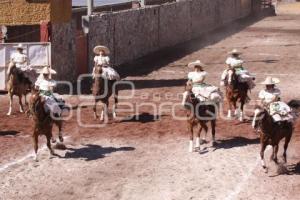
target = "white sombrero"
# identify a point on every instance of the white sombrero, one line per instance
(235, 51)
(270, 81)
(19, 46)
(47, 70)
(99, 48)
(196, 63)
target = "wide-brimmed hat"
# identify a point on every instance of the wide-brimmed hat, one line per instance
(99, 48)
(196, 63)
(270, 81)
(19, 46)
(235, 51)
(47, 70)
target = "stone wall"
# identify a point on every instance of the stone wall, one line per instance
(134, 33)
(32, 12)
(63, 51)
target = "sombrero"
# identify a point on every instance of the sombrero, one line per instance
(47, 70)
(270, 81)
(19, 46)
(99, 48)
(196, 63)
(235, 51)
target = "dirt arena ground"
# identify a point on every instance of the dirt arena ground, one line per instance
(147, 157)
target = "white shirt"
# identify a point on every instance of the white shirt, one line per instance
(45, 85)
(197, 77)
(233, 61)
(20, 59)
(268, 96)
(101, 60)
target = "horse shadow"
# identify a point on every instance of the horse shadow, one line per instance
(235, 142)
(142, 118)
(9, 133)
(93, 152)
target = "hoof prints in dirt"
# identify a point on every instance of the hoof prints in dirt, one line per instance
(93, 152)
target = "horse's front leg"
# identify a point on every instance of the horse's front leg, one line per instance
(21, 104)
(275, 151)
(10, 103)
(35, 143)
(241, 111)
(213, 132)
(104, 112)
(115, 105)
(262, 151)
(48, 136)
(95, 110)
(197, 146)
(191, 131)
(59, 126)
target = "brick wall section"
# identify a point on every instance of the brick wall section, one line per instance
(63, 51)
(31, 12)
(134, 33)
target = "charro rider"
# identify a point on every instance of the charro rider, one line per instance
(20, 60)
(45, 86)
(235, 62)
(201, 90)
(103, 60)
(270, 99)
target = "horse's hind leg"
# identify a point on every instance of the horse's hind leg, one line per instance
(190, 129)
(49, 143)
(197, 146)
(60, 136)
(10, 103)
(21, 104)
(213, 132)
(115, 105)
(286, 144)
(274, 153)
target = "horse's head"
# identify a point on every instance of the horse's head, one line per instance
(35, 102)
(98, 70)
(231, 77)
(260, 114)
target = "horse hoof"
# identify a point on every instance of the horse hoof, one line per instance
(8, 114)
(53, 140)
(61, 139)
(203, 141)
(265, 169)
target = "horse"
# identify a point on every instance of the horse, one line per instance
(102, 90)
(200, 113)
(236, 91)
(43, 122)
(18, 84)
(271, 134)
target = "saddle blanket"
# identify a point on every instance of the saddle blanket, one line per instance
(207, 92)
(280, 111)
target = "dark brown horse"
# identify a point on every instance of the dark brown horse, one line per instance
(271, 134)
(236, 92)
(102, 90)
(18, 85)
(200, 113)
(43, 122)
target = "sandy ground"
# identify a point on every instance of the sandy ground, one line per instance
(147, 158)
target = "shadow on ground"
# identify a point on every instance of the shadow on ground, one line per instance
(9, 133)
(93, 152)
(142, 118)
(235, 142)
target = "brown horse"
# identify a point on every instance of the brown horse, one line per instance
(271, 134)
(200, 113)
(18, 85)
(102, 90)
(43, 123)
(236, 91)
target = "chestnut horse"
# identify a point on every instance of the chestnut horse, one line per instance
(271, 134)
(18, 85)
(43, 122)
(200, 113)
(102, 90)
(236, 91)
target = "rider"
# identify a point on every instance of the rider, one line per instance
(102, 59)
(20, 60)
(270, 99)
(200, 89)
(235, 62)
(45, 86)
